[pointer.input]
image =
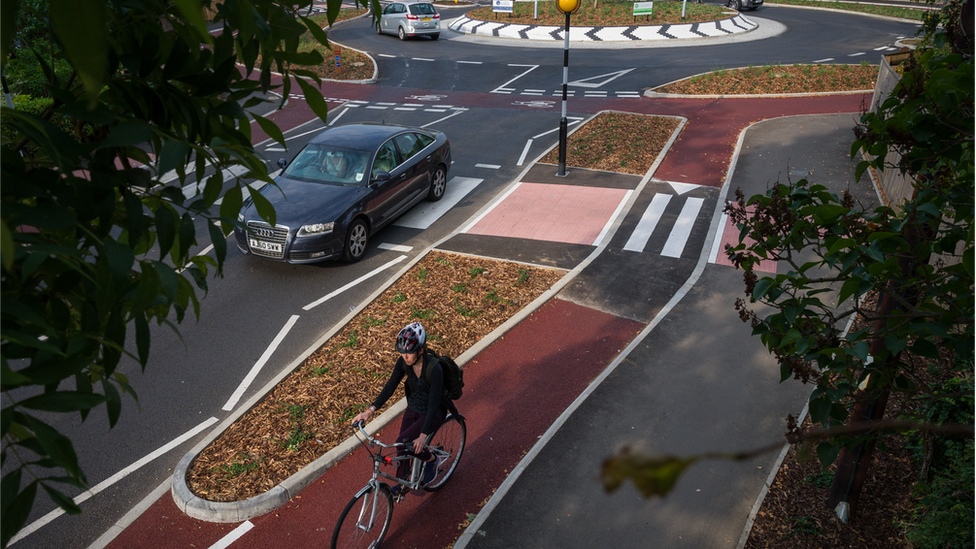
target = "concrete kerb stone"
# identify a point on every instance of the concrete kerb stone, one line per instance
(737, 24)
(239, 511)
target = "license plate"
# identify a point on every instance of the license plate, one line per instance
(266, 246)
(426, 19)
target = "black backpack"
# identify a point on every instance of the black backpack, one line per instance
(453, 375)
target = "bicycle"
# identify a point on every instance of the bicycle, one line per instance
(372, 507)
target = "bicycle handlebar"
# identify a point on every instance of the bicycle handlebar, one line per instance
(358, 429)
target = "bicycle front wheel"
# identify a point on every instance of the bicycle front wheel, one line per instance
(365, 520)
(447, 444)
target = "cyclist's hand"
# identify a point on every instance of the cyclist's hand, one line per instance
(363, 416)
(418, 445)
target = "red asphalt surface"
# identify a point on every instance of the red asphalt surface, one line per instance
(514, 390)
(518, 386)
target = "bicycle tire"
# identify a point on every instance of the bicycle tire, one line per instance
(447, 442)
(352, 533)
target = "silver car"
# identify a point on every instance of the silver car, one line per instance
(406, 19)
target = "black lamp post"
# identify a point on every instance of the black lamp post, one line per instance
(568, 7)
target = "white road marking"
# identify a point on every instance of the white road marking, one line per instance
(395, 247)
(425, 214)
(470, 62)
(609, 224)
(856, 54)
(354, 283)
(41, 522)
(682, 228)
(652, 215)
(504, 86)
(249, 378)
(607, 78)
(824, 60)
(525, 151)
(488, 166)
(456, 112)
(233, 536)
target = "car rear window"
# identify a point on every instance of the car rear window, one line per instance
(422, 9)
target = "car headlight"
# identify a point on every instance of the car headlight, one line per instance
(315, 229)
(240, 217)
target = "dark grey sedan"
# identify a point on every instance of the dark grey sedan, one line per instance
(347, 183)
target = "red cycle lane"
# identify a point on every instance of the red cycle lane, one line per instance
(514, 390)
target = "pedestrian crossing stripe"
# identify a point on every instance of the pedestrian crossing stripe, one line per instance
(680, 231)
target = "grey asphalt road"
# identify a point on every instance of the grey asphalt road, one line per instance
(696, 382)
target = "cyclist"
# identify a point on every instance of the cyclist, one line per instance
(425, 401)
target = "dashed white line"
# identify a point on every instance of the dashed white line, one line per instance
(856, 54)
(488, 166)
(394, 247)
(420, 59)
(470, 62)
(824, 60)
(233, 536)
(236, 397)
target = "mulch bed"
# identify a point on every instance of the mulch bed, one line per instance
(617, 142)
(458, 299)
(773, 79)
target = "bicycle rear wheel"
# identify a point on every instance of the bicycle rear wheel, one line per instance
(365, 520)
(447, 444)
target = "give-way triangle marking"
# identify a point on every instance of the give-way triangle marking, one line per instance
(609, 77)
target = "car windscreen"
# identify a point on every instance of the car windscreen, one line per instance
(422, 9)
(328, 164)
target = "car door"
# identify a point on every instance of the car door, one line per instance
(389, 196)
(416, 165)
(391, 17)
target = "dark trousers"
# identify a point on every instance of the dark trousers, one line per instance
(410, 425)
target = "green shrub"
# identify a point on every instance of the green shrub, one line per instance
(943, 516)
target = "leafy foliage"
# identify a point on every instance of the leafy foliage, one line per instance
(94, 245)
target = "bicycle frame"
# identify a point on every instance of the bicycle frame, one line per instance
(379, 458)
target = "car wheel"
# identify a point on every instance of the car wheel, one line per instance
(438, 184)
(401, 34)
(734, 4)
(356, 240)
(435, 36)
(379, 29)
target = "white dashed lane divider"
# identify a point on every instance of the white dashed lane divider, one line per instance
(233, 536)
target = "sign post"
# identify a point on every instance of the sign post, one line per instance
(568, 7)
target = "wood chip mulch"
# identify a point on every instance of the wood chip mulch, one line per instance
(617, 142)
(458, 299)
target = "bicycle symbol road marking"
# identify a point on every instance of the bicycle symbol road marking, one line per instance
(429, 97)
(536, 104)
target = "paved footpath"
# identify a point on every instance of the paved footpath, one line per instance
(523, 383)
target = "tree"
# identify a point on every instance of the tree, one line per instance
(93, 247)
(836, 255)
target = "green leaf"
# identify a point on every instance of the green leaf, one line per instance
(230, 206)
(271, 129)
(194, 16)
(16, 509)
(165, 229)
(129, 132)
(314, 99)
(6, 246)
(8, 28)
(56, 446)
(82, 27)
(173, 155)
(63, 501)
(653, 475)
(63, 401)
(263, 206)
(968, 257)
(113, 403)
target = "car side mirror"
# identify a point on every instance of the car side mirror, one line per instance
(282, 163)
(380, 177)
